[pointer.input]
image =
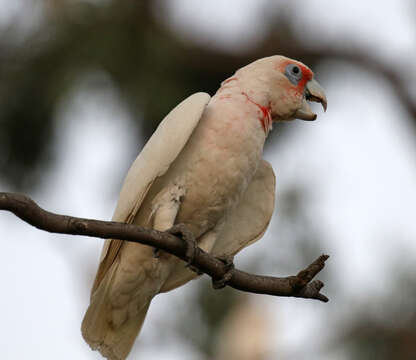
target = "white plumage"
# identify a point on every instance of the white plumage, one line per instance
(202, 168)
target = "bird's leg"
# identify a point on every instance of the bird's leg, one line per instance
(228, 261)
(182, 231)
(165, 207)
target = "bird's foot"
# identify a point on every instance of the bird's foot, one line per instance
(183, 232)
(228, 261)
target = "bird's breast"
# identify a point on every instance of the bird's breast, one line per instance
(218, 163)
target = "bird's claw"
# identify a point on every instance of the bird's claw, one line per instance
(182, 231)
(228, 261)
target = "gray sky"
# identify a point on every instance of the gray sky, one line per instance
(358, 158)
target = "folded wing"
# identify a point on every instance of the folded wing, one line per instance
(153, 161)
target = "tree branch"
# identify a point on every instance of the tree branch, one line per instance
(300, 285)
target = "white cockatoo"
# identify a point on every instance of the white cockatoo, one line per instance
(202, 168)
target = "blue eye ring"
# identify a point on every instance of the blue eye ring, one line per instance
(293, 73)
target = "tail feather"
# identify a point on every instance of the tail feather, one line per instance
(114, 343)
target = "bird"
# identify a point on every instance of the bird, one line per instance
(201, 174)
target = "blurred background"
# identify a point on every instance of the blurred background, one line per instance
(84, 83)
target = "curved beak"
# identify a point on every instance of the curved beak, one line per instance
(313, 92)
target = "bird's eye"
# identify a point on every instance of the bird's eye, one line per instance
(293, 73)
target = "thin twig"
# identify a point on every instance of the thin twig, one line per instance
(300, 285)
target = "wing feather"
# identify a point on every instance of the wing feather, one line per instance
(153, 161)
(250, 219)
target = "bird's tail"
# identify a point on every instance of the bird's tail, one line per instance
(99, 331)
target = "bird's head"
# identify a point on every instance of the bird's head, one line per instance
(289, 85)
